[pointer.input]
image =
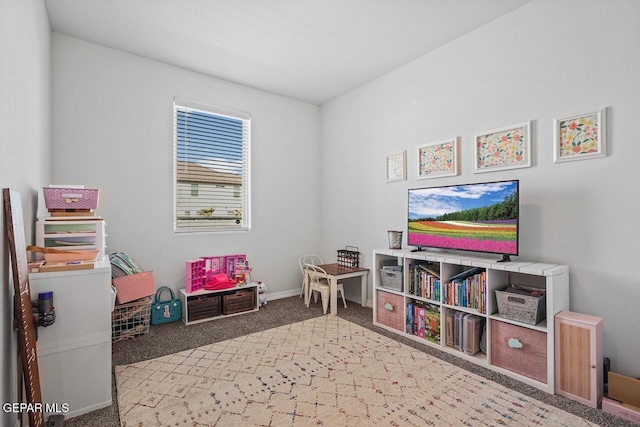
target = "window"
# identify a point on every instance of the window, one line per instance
(211, 168)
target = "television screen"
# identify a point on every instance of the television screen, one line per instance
(480, 217)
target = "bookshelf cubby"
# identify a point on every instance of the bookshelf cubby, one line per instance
(428, 306)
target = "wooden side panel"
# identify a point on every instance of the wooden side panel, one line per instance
(573, 357)
(578, 355)
(26, 329)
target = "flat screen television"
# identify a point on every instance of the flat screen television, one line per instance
(481, 217)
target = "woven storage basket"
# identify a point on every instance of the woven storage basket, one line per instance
(523, 304)
(71, 198)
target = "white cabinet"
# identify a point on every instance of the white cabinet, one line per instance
(445, 310)
(71, 233)
(74, 354)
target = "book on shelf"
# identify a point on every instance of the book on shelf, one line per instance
(423, 320)
(464, 331)
(449, 329)
(432, 323)
(458, 317)
(466, 274)
(419, 316)
(429, 268)
(425, 281)
(409, 320)
(470, 292)
(471, 332)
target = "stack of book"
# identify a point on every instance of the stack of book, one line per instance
(423, 320)
(467, 289)
(425, 281)
(464, 331)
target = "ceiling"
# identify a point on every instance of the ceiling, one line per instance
(310, 50)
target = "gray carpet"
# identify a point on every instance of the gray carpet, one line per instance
(175, 337)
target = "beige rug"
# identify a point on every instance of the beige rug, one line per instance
(320, 372)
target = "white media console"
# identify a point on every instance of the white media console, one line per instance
(520, 350)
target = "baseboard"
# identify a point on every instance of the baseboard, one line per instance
(296, 292)
(88, 409)
(283, 294)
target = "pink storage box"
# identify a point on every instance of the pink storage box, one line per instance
(194, 275)
(71, 198)
(614, 407)
(134, 286)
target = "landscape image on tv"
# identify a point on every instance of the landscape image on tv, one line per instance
(475, 217)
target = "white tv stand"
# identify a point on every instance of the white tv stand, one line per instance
(390, 310)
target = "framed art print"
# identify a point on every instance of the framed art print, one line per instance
(580, 137)
(396, 167)
(438, 159)
(505, 148)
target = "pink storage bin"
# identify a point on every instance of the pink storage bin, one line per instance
(134, 286)
(71, 198)
(194, 275)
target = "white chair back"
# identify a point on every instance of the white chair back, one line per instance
(316, 274)
(317, 283)
(308, 259)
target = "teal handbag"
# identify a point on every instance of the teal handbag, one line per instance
(165, 311)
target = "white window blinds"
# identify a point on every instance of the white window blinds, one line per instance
(211, 168)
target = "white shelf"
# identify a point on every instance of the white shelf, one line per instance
(553, 278)
(88, 233)
(185, 297)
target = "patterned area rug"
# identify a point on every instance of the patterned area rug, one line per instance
(320, 372)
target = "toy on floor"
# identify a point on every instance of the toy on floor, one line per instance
(262, 296)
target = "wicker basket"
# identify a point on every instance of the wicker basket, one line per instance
(71, 198)
(523, 304)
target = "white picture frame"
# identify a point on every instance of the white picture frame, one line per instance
(438, 159)
(396, 169)
(580, 137)
(504, 148)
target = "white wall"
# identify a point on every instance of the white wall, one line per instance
(546, 60)
(24, 148)
(113, 130)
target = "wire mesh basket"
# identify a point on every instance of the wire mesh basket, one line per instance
(349, 257)
(113, 297)
(130, 320)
